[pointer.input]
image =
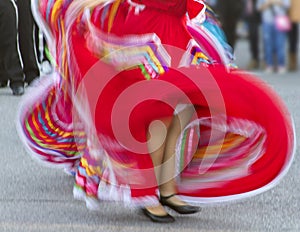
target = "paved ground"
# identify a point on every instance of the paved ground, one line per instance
(35, 198)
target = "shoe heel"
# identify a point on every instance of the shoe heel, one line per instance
(158, 218)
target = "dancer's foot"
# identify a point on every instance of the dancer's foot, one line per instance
(158, 214)
(175, 203)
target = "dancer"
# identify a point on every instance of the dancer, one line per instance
(144, 116)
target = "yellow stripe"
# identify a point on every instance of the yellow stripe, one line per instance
(55, 11)
(229, 142)
(113, 13)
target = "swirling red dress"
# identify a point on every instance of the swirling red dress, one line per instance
(123, 64)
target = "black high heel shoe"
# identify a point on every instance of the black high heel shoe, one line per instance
(182, 209)
(158, 218)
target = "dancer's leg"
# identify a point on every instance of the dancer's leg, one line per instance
(157, 135)
(167, 178)
(162, 139)
(156, 144)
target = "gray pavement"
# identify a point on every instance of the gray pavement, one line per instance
(35, 198)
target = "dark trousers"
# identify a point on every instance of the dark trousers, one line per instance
(230, 12)
(28, 40)
(293, 38)
(10, 65)
(253, 26)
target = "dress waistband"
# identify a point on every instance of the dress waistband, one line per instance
(169, 7)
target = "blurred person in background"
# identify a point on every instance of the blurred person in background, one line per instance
(273, 37)
(28, 41)
(230, 13)
(10, 64)
(294, 35)
(252, 18)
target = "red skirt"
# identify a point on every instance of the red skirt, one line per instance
(239, 143)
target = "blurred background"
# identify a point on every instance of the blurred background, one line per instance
(264, 34)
